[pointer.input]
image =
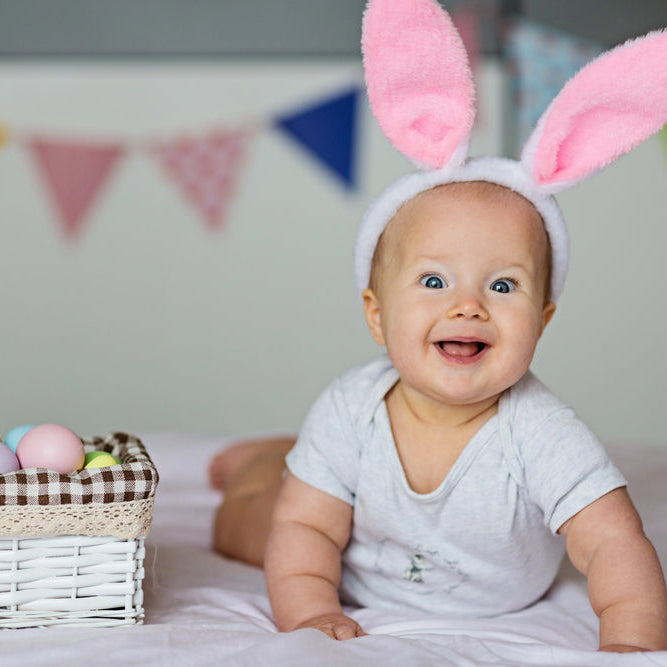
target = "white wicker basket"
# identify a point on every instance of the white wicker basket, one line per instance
(71, 580)
(80, 561)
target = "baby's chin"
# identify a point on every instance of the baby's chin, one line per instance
(466, 389)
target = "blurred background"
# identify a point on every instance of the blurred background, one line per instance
(181, 186)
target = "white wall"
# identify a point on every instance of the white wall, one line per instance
(149, 322)
(605, 349)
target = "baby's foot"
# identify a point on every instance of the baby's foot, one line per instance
(227, 463)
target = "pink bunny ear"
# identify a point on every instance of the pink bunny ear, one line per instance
(611, 105)
(418, 78)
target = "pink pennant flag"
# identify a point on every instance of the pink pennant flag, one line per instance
(467, 21)
(206, 170)
(74, 172)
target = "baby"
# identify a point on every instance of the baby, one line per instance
(440, 476)
(443, 476)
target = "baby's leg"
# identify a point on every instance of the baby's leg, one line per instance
(251, 474)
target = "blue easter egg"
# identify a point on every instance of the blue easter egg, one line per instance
(13, 437)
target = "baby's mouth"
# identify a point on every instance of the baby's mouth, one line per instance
(462, 349)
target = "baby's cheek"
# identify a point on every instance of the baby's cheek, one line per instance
(527, 344)
(400, 356)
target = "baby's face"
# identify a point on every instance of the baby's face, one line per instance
(460, 298)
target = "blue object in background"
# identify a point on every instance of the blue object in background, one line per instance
(328, 131)
(540, 61)
(13, 437)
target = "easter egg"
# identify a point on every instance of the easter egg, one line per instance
(8, 460)
(51, 446)
(13, 437)
(99, 460)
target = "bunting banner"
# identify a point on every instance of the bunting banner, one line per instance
(328, 132)
(540, 60)
(467, 21)
(205, 169)
(74, 173)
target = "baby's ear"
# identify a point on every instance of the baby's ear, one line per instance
(418, 78)
(372, 314)
(614, 103)
(547, 313)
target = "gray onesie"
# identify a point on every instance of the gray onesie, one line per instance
(484, 542)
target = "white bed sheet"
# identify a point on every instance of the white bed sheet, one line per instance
(202, 609)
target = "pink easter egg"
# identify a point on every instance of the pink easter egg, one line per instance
(51, 446)
(8, 460)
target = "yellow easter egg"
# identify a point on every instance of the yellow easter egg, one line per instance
(99, 460)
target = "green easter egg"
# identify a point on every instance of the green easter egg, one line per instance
(99, 460)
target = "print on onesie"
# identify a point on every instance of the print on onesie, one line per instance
(425, 567)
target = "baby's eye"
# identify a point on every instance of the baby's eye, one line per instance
(432, 281)
(503, 286)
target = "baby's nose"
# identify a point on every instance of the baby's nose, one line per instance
(468, 307)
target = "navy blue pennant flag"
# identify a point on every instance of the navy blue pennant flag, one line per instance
(328, 132)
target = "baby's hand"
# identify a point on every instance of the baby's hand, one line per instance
(336, 626)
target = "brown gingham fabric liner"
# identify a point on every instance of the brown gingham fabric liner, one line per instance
(135, 479)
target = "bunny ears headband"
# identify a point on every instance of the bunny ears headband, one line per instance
(421, 92)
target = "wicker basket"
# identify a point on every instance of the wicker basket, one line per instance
(72, 546)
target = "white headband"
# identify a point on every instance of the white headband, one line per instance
(421, 92)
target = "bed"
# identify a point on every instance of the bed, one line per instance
(202, 609)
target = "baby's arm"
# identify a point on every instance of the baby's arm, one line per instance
(626, 586)
(309, 530)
